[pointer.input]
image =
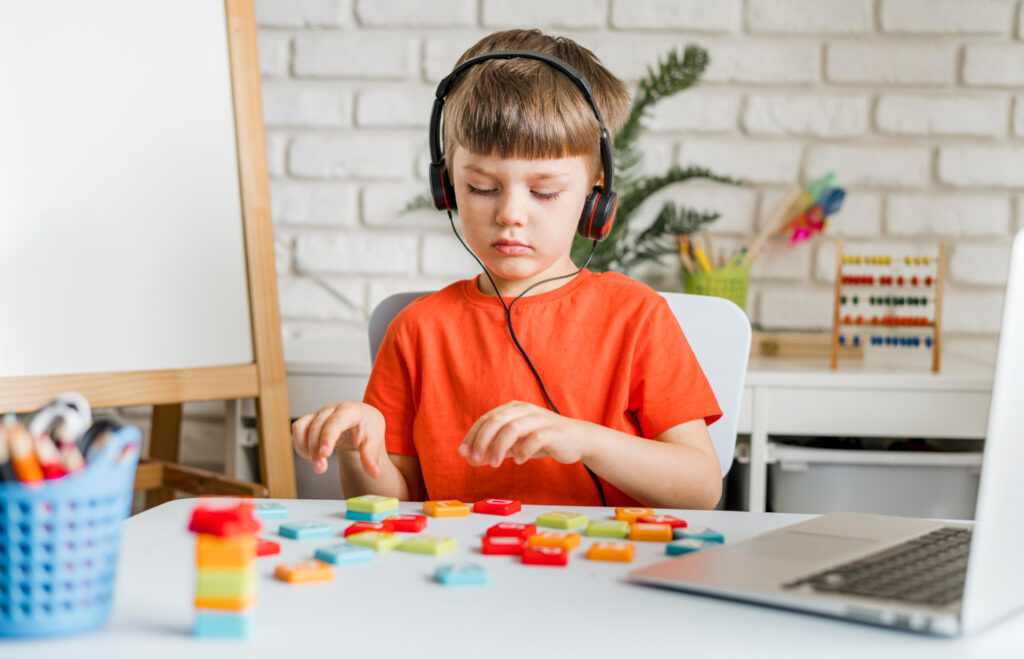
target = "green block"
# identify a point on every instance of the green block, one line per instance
(562, 520)
(428, 544)
(376, 540)
(226, 582)
(372, 503)
(608, 528)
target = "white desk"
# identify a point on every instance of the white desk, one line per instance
(782, 396)
(392, 607)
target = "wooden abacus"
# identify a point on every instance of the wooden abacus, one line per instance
(908, 280)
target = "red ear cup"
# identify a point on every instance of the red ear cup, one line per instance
(598, 214)
(441, 189)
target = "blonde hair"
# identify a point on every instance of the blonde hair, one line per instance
(526, 109)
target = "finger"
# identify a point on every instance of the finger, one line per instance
(315, 428)
(531, 446)
(300, 431)
(368, 457)
(480, 442)
(466, 447)
(508, 435)
(345, 418)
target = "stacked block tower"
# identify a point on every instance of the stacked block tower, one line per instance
(226, 577)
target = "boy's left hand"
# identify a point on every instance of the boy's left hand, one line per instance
(523, 431)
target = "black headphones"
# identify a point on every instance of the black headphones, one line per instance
(600, 205)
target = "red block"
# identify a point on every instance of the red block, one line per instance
(224, 522)
(512, 528)
(671, 520)
(267, 547)
(407, 523)
(362, 527)
(497, 507)
(545, 556)
(503, 545)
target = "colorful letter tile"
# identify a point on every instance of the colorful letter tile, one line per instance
(545, 556)
(407, 523)
(498, 506)
(304, 571)
(611, 551)
(671, 520)
(502, 545)
(686, 546)
(224, 521)
(512, 528)
(651, 532)
(233, 552)
(463, 574)
(429, 544)
(445, 508)
(344, 554)
(305, 530)
(372, 503)
(267, 547)
(566, 541)
(376, 540)
(698, 533)
(225, 582)
(559, 519)
(363, 527)
(368, 517)
(608, 528)
(269, 510)
(630, 514)
(215, 624)
(225, 603)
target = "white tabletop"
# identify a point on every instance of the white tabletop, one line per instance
(393, 607)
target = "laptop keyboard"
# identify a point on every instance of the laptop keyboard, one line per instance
(929, 570)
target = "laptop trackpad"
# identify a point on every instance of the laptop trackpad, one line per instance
(801, 546)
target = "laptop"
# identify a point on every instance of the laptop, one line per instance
(923, 575)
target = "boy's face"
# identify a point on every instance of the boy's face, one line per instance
(519, 216)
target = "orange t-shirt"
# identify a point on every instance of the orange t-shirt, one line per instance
(608, 348)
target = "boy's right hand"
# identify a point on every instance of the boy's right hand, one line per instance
(347, 425)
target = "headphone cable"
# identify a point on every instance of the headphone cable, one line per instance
(515, 340)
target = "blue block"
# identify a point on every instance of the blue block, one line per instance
(217, 624)
(463, 574)
(305, 530)
(698, 533)
(369, 517)
(345, 554)
(268, 510)
(689, 544)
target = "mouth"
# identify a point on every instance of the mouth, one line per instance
(510, 247)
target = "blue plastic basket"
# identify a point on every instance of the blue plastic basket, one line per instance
(59, 542)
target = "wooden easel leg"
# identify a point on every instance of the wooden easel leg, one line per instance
(164, 444)
(277, 466)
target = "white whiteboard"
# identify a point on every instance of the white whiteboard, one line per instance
(121, 245)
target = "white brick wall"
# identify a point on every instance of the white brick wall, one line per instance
(916, 105)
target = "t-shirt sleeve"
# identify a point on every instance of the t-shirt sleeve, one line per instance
(668, 385)
(390, 390)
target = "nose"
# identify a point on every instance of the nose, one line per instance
(511, 208)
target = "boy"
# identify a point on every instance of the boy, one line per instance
(462, 398)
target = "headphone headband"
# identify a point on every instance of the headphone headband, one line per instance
(581, 82)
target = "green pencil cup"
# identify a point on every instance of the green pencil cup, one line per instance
(729, 282)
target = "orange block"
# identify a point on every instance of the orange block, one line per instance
(226, 603)
(304, 571)
(446, 508)
(566, 541)
(651, 532)
(630, 514)
(611, 551)
(236, 551)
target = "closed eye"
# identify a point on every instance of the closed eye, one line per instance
(540, 195)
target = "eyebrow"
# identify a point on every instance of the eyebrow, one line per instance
(537, 176)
